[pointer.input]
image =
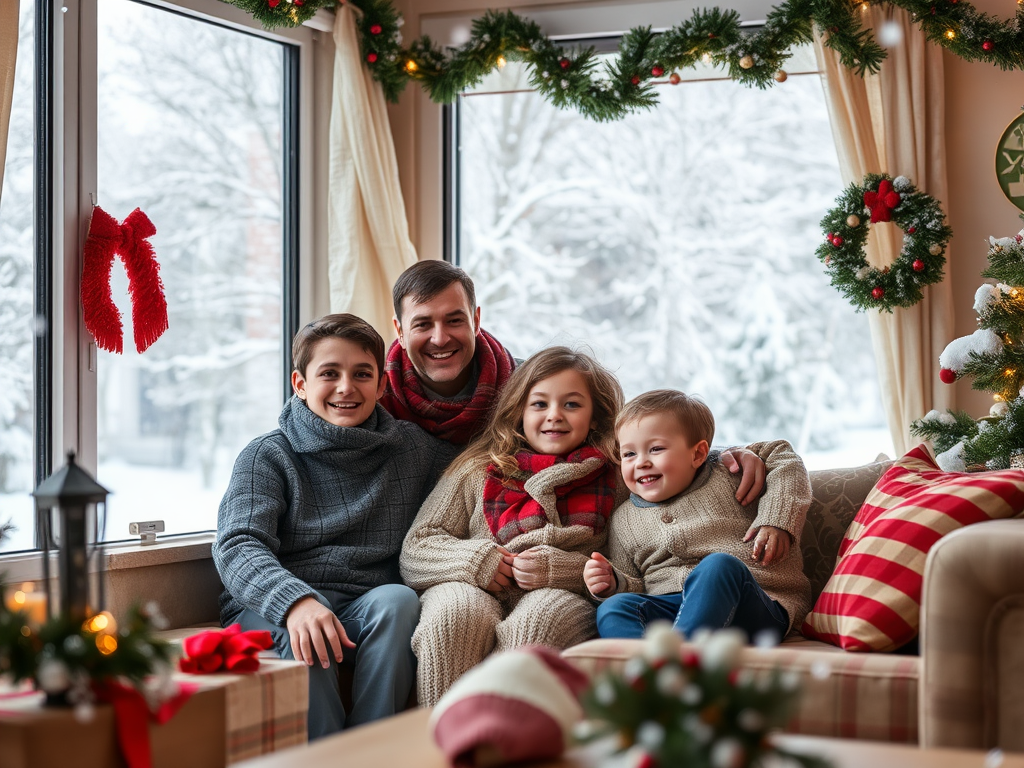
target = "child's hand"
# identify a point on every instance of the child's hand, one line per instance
(771, 544)
(599, 576)
(752, 467)
(530, 569)
(315, 632)
(502, 578)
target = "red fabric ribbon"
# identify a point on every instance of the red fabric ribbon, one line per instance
(229, 649)
(882, 202)
(106, 239)
(132, 717)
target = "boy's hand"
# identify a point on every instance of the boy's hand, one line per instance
(771, 544)
(502, 578)
(752, 479)
(315, 632)
(599, 576)
(530, 569)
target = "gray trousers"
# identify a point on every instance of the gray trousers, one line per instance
(381, 624)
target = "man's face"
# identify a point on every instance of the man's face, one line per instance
(439, 335)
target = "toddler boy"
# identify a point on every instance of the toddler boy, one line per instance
(680, 548)
(312, 522)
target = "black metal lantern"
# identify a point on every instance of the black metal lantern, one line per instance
(70, 506)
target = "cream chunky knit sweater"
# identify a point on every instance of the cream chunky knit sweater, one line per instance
(450, 555)
(655, 546)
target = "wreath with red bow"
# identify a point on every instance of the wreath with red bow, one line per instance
(879, 199)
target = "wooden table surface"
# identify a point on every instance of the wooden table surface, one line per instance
(403, 742)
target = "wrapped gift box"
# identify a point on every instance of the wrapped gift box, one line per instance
(230, 718)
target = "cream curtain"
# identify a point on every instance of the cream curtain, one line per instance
(368, 235)
(8, 54)
(893, 123)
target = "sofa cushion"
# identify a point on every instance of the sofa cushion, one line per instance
(872, 601)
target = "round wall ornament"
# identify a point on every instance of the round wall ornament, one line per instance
(919, 262)
(1010, 161)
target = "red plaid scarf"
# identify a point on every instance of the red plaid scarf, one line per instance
(455, 421)
(510, 510)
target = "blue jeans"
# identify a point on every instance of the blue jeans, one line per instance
(380, 623)
(720, 592)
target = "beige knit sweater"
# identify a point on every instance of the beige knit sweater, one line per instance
(655, 547)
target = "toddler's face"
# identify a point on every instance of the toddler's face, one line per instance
(657, 460)
(341, 383)
(559, 413)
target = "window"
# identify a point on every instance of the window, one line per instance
(678, 244)
(192, 113)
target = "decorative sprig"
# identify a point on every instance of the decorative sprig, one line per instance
(571, 79)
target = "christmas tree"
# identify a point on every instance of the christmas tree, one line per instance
(994, 356)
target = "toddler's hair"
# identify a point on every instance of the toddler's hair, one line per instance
(339, 326)
(692, 413)
(503, 436)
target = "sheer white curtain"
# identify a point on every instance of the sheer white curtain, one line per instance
(893, 122)
(368, 235)
(8, 54)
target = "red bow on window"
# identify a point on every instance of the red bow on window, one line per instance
(229, 649)
(149, 306)
(882, 202)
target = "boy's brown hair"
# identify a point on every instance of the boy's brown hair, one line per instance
(426, 279)
(338, 326)
(692, 413)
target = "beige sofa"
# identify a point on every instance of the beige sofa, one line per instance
(966, 689)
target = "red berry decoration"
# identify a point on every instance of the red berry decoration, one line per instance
(918, 265)
(1018, 238)
(564, 63)
(911, 230)
(646, 761)
(376, 29)
(635, 80)
(371, 57)
(273, 3)
(837, 241)
(988, 45)
(674, 78)
(946, 376)
(877, 293)
(657, 71)
(298, 2)
(829, 237)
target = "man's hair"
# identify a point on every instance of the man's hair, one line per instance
(426, 279)
(692, 413)
(339, 326)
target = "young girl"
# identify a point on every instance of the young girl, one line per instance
(501, 542)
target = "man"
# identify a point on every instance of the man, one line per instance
(444, 371)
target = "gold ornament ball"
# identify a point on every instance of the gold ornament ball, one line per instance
(853, 220)
(747, 62)
(935, 249)
(674, 78)
(780, 76)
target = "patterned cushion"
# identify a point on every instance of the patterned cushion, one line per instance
(873, 599)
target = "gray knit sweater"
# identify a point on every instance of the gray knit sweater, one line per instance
(314, 506)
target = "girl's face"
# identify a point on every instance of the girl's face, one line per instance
(559, 413)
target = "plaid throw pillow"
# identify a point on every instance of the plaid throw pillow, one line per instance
(872, 601)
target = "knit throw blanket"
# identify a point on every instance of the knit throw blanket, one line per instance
(455, 421)
(510, 510)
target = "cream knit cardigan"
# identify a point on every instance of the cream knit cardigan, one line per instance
(655, 547)
(450, 555)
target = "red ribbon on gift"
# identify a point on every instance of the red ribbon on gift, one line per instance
(229, 649)
(132, 716)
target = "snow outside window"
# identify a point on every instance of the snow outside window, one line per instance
(678, 245)
(190, 130)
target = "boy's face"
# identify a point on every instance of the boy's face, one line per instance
(658, 461)
(341, 384)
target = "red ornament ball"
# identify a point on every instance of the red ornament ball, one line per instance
(674, 78)
(298, 2)
(918, 265)
(646, 761)
(911, 230)
(947, 376)
(635, 80)
(371, 57)
(837, 241)
(564, 63)
(376, 29)
(877, 293)
(829, 237)
(273, 3)
(657, 71)
(988, 45)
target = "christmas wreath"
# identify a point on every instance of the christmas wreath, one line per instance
(925, 235)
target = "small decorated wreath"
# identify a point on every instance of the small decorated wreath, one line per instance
(920, 260)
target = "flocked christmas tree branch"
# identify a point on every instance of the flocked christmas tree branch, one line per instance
(572, 79)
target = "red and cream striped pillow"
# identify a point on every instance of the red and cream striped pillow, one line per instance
(872, 601)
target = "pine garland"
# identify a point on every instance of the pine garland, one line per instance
(571, 79)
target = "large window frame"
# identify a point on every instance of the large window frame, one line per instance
(65, 190)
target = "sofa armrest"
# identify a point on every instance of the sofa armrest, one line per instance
(972, 620)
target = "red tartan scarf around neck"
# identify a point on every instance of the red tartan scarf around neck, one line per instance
(456, 421)
(510, 510)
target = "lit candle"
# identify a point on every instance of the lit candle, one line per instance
(27, 600)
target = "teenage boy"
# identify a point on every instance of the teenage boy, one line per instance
(311, 525)
(444, 371)
(680, 548)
